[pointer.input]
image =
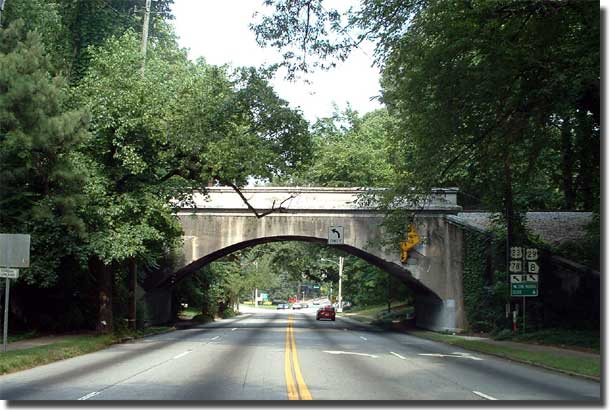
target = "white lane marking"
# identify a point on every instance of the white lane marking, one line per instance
(354, 353)
(485, 396)
(363, 338)
(88, 396)
(182, 354)
(455, 354)
(233, 329)
(467, 355)
(215, 337)
(399, 356)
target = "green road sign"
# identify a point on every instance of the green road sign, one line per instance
(524, 289)
(524, 285)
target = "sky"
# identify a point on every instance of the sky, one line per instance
(219, 32)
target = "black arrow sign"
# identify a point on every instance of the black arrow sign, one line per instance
(336, 231)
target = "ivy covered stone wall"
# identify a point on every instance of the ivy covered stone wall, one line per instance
(485, 286)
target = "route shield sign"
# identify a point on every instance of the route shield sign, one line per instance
(524, 285)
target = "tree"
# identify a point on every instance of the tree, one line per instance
(475, 86)
(159, 136)
(40, 186)
(349, 150)
(69, 27)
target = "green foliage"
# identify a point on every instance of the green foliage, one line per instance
(349, 150)
(498, 98)
(484, 295)
(40, 187)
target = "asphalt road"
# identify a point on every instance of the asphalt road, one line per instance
(281, 355)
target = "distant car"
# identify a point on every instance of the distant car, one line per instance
(304, 305)
(326, 312)
(296, 306)
(315, 302)
(283, 306)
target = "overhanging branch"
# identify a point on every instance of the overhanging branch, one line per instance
(259, 215)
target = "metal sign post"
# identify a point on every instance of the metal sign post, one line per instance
(6, 306)
(14, 253)
(524, 269)
(8, 274)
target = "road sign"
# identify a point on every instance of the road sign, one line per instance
(335, 235)
(515, 267)
(9, 273)
(524, 285)
(14, 250)
(531, 254)
(532, 267)
(516, 252)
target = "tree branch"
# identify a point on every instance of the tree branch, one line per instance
(250, 207)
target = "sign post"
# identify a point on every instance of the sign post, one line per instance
(523, 284)
(14, 253)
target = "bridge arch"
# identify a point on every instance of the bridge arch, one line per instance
(390, 267)
(220, 223)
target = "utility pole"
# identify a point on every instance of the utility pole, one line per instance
(340, 308)
(144, 33)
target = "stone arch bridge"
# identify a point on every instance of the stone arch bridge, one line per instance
(221, 223)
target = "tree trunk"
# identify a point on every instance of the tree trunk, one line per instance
(508, 199)
(104, 277)
(133, 283)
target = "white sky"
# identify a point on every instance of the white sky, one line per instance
(219, 31)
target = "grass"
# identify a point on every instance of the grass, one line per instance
(16, 360)
(71, 346)
(368, 314)
(189, 313)
(572, 364)
(584, 339)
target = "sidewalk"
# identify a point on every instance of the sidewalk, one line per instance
(41, 341)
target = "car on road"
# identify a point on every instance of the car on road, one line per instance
(283, 306)
(296, 306)
(326, 312)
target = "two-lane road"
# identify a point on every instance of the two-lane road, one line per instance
(288, 355)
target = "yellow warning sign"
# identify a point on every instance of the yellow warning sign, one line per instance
(405, 246)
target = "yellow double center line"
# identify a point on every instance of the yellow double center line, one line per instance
(299, 388)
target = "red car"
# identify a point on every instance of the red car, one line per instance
(326, 312)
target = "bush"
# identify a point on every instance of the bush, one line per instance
(228, 313)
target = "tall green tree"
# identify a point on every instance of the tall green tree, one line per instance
(349, 150)
(40, 187)
(159, 135)
(478, 88)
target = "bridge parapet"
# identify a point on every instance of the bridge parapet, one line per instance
(310, 199)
